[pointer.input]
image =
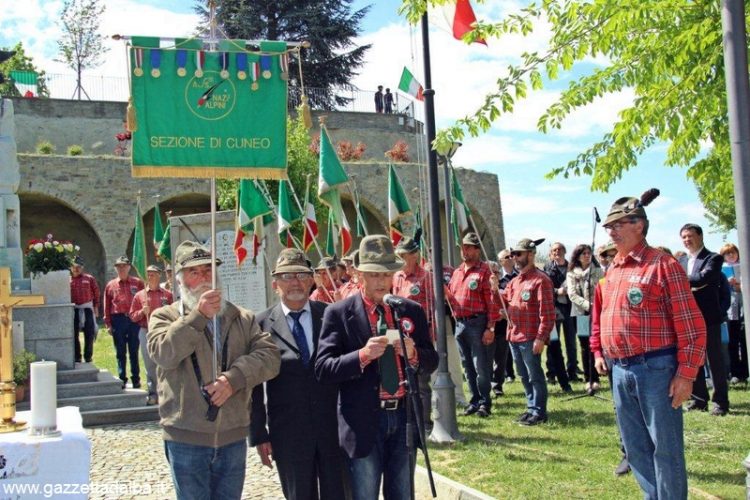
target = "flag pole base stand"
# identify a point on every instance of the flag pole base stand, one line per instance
(445, 428)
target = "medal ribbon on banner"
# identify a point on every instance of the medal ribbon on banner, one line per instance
(155, 63)
(265, 66)
(200, 59)
(241, 61)
(138, 61)
(284, 66)
(224, 61)
(181, 59)
(255, 74)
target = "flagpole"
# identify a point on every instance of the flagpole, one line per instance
(445, 429)
(355, 198)
(307, 225)
(214, 368)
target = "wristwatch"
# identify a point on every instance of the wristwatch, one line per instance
(492, 329)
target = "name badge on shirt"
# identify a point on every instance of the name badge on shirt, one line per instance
(133, 290)
(635, 296)
(414, 290)
(473, 285)
(525, 295)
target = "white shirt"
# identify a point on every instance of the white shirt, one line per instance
(691, 260)
(305, 320)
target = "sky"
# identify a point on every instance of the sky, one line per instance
(533, 206)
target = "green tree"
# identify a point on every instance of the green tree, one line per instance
(328, 64)
(20, 62)
(668, 52)
(81, 46)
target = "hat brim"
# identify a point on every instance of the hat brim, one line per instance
(292, 269)
(198, 262)
(386, 267)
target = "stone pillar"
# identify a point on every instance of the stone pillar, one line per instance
(11, 253)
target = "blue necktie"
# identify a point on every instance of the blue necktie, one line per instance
(299, 337)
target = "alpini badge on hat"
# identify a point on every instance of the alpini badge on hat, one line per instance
(635, 296)
(525, 295)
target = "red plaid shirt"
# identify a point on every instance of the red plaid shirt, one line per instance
(118, 297)
(349, 288)
(84, 288)
(156, 299)
(531, 306)
(323, 295)
(470, 293)
(647, 305)
(372, 315)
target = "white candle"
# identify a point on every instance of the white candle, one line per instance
(44, 395)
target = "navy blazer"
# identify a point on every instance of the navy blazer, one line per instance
(705, 281)
(345, 330)
(299, 412)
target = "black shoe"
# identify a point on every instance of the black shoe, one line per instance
(483, 412)
(78, 360)
(498, 392)
(523, 417)
(567, 389)
(574, 378)
(124, 382)
(535, 420)
(551, 380)
(623, 467)
(89, 360)
(137, 385)
(470, 410)
(718, 411)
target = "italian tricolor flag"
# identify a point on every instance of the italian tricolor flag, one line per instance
(288, 214)
(410, 85)
(26, 83)
(460, 17)
(251, 207)
(398, 206)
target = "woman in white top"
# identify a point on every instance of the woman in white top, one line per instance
(737, 341)
(583, 275)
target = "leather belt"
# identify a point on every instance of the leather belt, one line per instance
(469, 318)
(391, 404)
(640, 359)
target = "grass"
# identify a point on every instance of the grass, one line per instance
(575, 453)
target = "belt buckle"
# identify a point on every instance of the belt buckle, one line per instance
(389, 404)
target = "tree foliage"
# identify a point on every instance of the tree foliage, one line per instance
(668, 52)
(328, 64)
(20, 62)
(81, 46)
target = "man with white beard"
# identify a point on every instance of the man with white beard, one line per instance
(206, 421)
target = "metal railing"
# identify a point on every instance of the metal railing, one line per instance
(108, 88)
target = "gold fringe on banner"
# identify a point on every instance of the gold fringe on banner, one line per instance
(269, 173)
(306, 118)
(131, 121)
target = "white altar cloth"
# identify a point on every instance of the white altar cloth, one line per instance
(55, 467)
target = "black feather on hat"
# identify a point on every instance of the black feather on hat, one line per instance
(648, 196)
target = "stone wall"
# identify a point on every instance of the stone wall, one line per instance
(92, 198)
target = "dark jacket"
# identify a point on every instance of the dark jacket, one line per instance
(705, 281)
(345, 330)
(298, 414)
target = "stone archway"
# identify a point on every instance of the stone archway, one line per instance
(42, 215)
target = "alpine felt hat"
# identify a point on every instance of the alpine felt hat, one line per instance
(471, 239)
(292, 260)
(527, 245)
(629, 206)
(376, 255)
(191, 254)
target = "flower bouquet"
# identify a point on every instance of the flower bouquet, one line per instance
(43, 256)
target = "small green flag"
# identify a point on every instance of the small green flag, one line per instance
(361, 219)
(288, 214)
(460, 213)
(398, 205)
(139, 244)
(165, 245)
(330, 177)
(158, 228)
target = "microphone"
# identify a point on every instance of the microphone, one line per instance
(393, 300)
(596, 215)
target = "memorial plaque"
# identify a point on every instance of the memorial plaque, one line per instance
(244, 286)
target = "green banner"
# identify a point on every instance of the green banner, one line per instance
(198, 113)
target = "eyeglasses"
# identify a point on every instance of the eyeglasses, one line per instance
(507, 257)
(616, 226)
(292, 276)
(516, 254)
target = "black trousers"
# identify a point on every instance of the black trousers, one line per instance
(737, 349)
(715, 359)
(321, 478)
(566, 328)
(556, 363)
(89, 334)
(501, 354)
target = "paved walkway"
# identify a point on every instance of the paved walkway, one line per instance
(127, 461)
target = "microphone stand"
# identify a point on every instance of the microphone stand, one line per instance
(587, 378)
(414, 412)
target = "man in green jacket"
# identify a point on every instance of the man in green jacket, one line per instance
(206, 421)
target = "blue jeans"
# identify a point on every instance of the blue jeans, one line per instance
(203, 472)
(529, 368)
(476, 359)
(651, 429)
(388, 459)
(125, 337)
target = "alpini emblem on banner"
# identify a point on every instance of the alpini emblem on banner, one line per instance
(210, 96)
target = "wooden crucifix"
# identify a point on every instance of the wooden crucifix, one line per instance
(7, 385)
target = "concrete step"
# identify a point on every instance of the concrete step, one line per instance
(82, 389)
(129, 398)
(83, 372)
(120, 416)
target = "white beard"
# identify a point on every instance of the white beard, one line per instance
(191, 297)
